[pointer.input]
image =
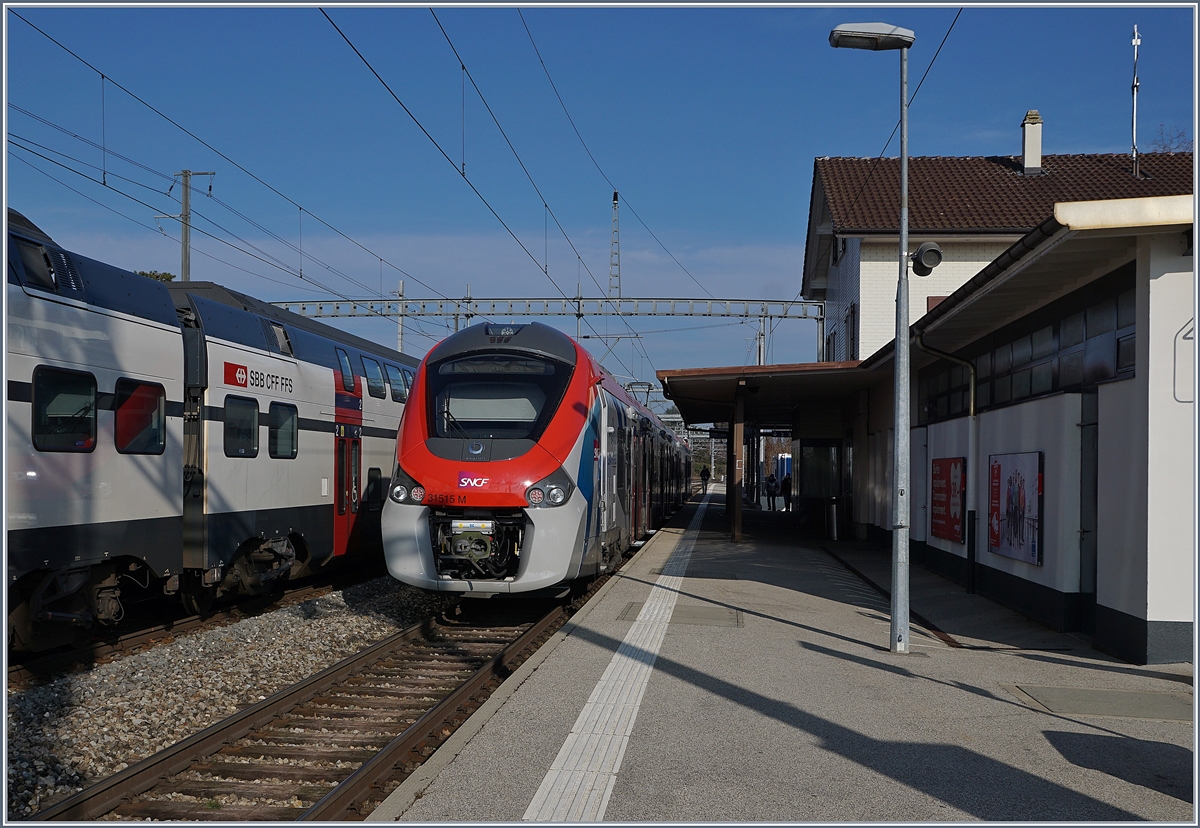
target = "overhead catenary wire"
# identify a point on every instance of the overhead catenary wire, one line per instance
(365, 304)
(445, 155)
(223, 156)
(603, 174)
(823, 248)
(547, 211)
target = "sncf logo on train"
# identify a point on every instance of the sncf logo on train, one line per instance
(467, 480)
(243, 377)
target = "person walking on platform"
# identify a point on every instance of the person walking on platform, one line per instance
(704, 475)
(785, 488)
(772, 491)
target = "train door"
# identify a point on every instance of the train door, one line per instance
(347, 454)
(609, 520)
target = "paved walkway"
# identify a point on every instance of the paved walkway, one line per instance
(713, 681)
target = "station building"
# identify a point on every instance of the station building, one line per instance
(1067, 288)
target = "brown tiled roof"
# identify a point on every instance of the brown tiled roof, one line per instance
(986, 194)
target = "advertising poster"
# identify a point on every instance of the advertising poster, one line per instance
(947, 501)
(1015, 506)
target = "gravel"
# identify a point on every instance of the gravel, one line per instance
(81, 727)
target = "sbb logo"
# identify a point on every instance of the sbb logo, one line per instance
(235, 374)
(466, 480)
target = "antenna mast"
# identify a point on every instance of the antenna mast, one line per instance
(1137, 41)
(614, 258)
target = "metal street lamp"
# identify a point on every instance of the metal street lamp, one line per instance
(879, 37)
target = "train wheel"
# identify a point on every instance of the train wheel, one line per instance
(197, 599)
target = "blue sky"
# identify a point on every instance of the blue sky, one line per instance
(706, 120)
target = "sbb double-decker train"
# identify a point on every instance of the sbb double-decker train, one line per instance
(522, 464)
(182, 439)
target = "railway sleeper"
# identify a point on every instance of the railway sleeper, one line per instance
(282, 773)
(220, 813)
(416, 686)
(212, 788)
(363, 740)
(308, 753)
(354, 723)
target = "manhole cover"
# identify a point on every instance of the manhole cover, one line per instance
(1125, 704)
(690, 614)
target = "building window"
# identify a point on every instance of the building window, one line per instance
(283, 431)
(1083, 339)
(140, 409)
(852, 331)
(241, 427)
(64, 410)
(374, 378)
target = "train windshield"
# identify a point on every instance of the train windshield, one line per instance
(495, 396)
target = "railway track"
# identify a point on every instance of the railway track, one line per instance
(334, 745)
(24, 670)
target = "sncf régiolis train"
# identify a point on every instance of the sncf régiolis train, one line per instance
(177, 438)
(522, 465)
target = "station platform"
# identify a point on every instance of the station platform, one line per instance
(709, 682)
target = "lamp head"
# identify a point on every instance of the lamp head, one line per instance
(926, 258)
(873, 36)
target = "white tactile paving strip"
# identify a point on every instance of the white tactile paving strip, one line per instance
(581, 778)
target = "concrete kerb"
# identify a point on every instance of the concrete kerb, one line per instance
(411, 789)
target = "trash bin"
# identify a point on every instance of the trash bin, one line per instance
(831, 524)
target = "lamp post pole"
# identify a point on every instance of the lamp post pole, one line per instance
(900, 487)
(879, 37)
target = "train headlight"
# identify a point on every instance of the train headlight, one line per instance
(405, 489)
(553, 490)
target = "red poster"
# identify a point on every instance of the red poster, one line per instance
(947, 500)
(994, 506)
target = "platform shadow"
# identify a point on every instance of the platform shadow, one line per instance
(1160, 767)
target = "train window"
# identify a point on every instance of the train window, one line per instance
(347, 371)
(241, 427)
(140, 409)
(495, 396)
(409, 378)
(37, 266)
(282, 442)
(397, 382)
(64, 410)
(374, 378)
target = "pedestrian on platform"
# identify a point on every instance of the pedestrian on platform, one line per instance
(704, 475)
(772, 491)
(785, 488)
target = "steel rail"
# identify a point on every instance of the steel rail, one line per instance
(23, 672)
(347, 800)
(107, 794)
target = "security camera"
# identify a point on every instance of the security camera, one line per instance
(926, 258)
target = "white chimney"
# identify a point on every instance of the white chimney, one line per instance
(1031, 142)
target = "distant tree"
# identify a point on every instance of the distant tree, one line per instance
(672, 410)
(157, 275)
(1171, 139)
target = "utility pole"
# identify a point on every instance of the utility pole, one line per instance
(614, 257)
(185, 218)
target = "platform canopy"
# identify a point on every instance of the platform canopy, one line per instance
(772, 393)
